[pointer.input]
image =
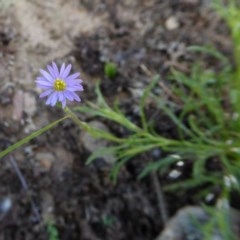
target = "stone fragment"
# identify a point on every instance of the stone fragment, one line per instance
(5, 206)
(45, 160)
(185, 225)
(47, 206)
(171, 23)
(94, 144)
(29, 103)
(64, 161)
(57, 161)
(17, 105)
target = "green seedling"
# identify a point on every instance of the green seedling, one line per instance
(110, 70)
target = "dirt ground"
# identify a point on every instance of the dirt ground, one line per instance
(143, 37)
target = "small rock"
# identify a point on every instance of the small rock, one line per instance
(172, 23)
(47, 206)
(30, 126)
(94, 144)
(136, 93)
(209, 197)
(64, 161)
(5, 206)
(29, 103)
(174, 174)
(57, 162)
(28, 150)
(17, 105)
(185, 225)
(45, 160)
(6, 94)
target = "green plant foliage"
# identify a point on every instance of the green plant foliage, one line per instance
(110, 69)
(219, 223)
(207, 129)
(199, 147)
(30, 137)
(230, 11)
(52, 231)
(108, 220)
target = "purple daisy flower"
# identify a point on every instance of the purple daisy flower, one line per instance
(59, 86)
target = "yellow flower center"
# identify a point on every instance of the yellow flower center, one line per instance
(59, 85)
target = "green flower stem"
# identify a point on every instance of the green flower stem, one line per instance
(97, 133)
(30, 137)
(139, 138)
(140, 133)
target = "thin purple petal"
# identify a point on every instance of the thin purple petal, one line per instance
(68, 95)
(42, 86)
(55, 69)
(46, 75)
(74, 82)
(72, 77)
(75, 88)
(76, 97)
(41, 79)
(46, 93)
(62, 70)
(60, 96)
(64, 102)
(50, 69)
(54, 99)
(49, 100)
(44, 83)
(67, 71)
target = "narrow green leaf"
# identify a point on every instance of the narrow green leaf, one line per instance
(143, 100)
(155, 166)
(209, 50)
(30, 137)
(115, 170)
(102, 152)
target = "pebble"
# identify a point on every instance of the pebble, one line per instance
(94, 144)
(47, 206)
(45, 160)
(182, 227)
(209, 197)
(174, 174)
(63, 161)
(156, 153)
(180, 163)
(136, 93)
(58, 161)
(5, 206)
(17, 105)
(29, 103)
(172, 23)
